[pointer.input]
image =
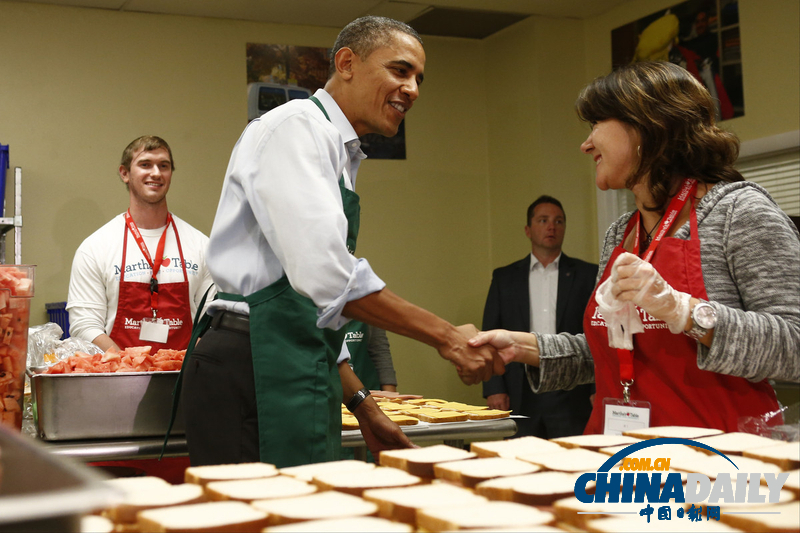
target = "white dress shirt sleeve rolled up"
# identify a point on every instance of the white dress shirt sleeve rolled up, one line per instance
(281, 211)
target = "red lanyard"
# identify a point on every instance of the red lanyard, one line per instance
(155, 267)
(675, 207)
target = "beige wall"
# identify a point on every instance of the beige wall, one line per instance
(535, 74)
(494, 128)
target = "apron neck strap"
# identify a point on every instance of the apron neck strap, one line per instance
(320, 106)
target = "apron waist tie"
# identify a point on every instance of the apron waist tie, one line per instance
(231, 321)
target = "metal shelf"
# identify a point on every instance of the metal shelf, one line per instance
(451, 433)
(13, 222)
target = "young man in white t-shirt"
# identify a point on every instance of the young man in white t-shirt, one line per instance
(139, 279)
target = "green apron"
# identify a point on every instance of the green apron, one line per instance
(357, 341)
(298, 388)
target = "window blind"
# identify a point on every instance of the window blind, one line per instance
(779, 173)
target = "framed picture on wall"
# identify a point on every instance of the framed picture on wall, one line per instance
(279, 73)
(700, 35)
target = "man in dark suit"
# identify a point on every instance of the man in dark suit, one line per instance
(546, 292)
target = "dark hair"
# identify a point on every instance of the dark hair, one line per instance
(543, 199)
(146, 143)
(366, 34)
(674, 116)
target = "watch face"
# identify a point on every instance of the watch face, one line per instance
(705, 316)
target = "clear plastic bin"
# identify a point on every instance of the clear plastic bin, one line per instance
(16, 291)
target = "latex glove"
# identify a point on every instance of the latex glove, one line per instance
(637, 281)
(622, 319)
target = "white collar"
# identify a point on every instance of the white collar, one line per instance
(535, 261)
(337, 118)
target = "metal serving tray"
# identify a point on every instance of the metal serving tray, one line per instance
(42, 492)
(104, 406)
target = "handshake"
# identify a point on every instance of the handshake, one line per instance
(479, 355)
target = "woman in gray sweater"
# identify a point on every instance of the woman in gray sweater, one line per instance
(700, 286)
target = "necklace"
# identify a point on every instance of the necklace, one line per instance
(649, 234)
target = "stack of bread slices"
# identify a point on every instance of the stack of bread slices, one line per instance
(523, 484)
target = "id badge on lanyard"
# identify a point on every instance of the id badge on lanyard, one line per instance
(623, 414)
(151, 329)
(154, 330)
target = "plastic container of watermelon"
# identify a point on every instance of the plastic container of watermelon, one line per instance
(16, 292)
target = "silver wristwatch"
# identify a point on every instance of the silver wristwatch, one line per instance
(704, 318)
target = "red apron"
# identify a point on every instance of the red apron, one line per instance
(135, 303)
(665, 365)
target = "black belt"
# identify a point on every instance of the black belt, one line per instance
(231, 321)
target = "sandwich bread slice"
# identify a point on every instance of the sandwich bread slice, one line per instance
(567, 460)
(510, 448)
(359, 524)
(355, 483)
(594, 442)
(420, 461)
(470, 472)
(210, 517)
(678, 432)
(248, 490)
(202, 475)
(488, 515)
(781, 518)
(307, 472)
(736, 443)
(318, 506)
(786, 455)
(155, 498)
(403, 504)
(540, 488)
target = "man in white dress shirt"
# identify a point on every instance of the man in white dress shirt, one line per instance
(281, 255)
(547, 292)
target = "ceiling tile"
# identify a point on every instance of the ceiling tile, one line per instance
(463, 22)
(403, 11)
(337, 13)
(99, 4)
(330, 13)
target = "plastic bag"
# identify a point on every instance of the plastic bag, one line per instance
(45, 347)
(41, 341)
(71, 346)
(622, 319)
(783, 424)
